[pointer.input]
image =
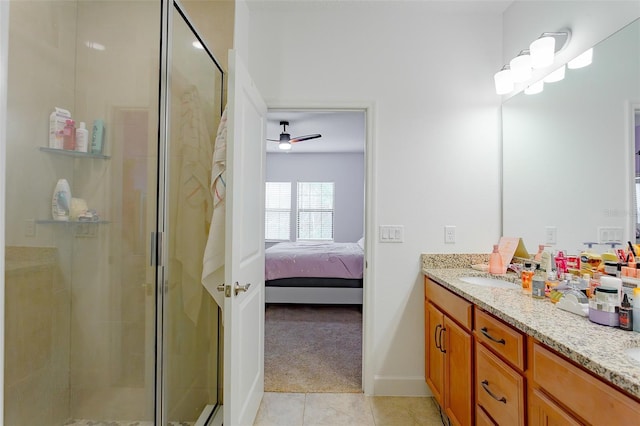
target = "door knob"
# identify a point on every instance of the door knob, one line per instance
(237, 288)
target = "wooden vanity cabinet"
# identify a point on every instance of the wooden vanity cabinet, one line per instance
(562, 390)
(500, 364)
(449, 352)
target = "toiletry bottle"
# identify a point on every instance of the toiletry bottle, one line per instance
(625, 314)
(61, 201)
(636, 309)
(57, 121)
(97, 137)
(69, 135)
(82, 138)
(495, 261)
(527, 277)
(537, 284)
(538, 255)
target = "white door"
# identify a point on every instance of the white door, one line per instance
(244, 309)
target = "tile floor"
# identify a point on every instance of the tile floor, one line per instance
(345, 409)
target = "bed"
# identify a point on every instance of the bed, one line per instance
(314, 272)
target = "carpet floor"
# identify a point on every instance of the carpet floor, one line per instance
(313, 348)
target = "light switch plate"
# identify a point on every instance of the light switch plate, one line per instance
(391, 234)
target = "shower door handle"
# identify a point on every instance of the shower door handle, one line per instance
(237, 288)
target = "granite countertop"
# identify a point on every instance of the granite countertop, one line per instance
(599, 349)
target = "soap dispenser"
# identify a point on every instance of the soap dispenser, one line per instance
(496, 266)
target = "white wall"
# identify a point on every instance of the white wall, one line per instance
(346, 170)
(428, 71)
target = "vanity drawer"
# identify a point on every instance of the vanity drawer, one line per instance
(482, 418)
(588, 397)
(504, 340)
(499, 389)
(456, 307)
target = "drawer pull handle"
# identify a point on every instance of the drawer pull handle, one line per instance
(485, 386)
(484, 331)
(435, 336)
(442, 330)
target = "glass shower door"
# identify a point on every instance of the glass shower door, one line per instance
(80, 311)
(191, 318)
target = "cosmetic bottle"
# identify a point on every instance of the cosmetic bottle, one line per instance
(97, 137)
(625, 314)
(538, 255)
(57, 121)
(526, 277)
(537, 284)
(82, 138)
(69, 135)
(495, 262)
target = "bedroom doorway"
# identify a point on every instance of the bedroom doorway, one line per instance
(315, 195)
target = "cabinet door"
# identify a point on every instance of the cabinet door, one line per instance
(544, 412)
(434, 363)
(458, 373)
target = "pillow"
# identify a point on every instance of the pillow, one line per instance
(361, 243)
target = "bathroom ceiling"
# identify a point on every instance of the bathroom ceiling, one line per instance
(342, 131)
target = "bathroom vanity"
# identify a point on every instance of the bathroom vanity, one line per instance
(497, 356)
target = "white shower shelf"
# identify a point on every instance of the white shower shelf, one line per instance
(70, 153)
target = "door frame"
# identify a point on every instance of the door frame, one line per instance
(368, 373)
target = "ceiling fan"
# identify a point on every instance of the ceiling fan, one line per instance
(285, 141)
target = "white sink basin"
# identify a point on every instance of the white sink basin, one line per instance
(633, 353)
(488, 282)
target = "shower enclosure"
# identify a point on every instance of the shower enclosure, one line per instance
(105, 316)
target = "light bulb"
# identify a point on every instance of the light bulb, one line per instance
(503, 81)
(521, 68)
(542, 52)
(284, 145)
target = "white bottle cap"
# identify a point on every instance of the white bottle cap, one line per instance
(82, 125)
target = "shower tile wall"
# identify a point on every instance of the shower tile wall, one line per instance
(36, 337)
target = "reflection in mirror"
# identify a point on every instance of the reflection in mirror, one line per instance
(569, 160)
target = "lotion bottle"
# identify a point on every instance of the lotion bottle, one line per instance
(82, 138)
(495, 262)
(61, 201)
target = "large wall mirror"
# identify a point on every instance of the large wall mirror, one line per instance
(569, 160)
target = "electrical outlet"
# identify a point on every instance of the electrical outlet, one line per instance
(550, 235)
(449, 234)
(30, 228)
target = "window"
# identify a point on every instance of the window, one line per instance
(315, 211)
(277, 211)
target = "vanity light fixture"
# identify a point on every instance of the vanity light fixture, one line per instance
(581, 61)
(541, 54)
(534, 88)
(503, 81)
(521, 67)
(544, 49)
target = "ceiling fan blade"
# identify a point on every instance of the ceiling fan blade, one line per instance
(305, 138)
(274, 140)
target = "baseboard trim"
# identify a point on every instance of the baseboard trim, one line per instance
(400, 386)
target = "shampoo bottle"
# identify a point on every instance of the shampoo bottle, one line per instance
(495, 262)
(97, 137)
(82, 138)
(61, 201)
